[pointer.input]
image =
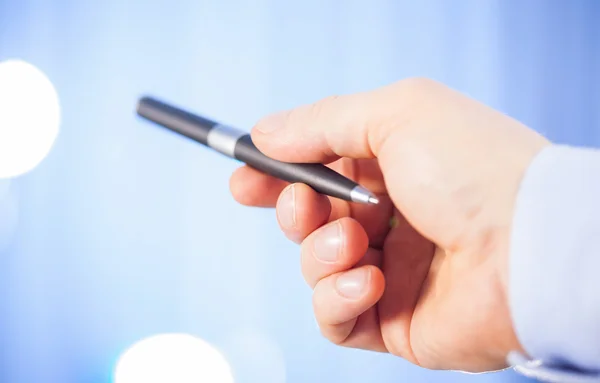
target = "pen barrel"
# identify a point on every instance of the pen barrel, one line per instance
(321, 178)
(187, 124)
(237, 144)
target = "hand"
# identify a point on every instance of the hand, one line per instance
(432, 286)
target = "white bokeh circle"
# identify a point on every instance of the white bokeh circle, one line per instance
(172, 358)
(29, 117)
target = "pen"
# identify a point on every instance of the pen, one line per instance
(238, 145)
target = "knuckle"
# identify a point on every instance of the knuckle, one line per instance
(317, 301)
(305, 267)
(281, 119)
(416, 93)
(322, 309)
(417, 85)
(415, 97)
(291, 118)
(338, 341)
(328, 102)
(330, 335)
(321, 108)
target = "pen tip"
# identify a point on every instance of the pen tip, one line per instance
(361, 195)
(373, 200)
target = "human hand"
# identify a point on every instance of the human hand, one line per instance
(431, 287)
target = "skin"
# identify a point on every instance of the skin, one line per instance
(432, 287)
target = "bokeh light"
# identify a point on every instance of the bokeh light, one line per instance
(172, 358)
(29, 117)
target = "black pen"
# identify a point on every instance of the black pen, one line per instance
(237, 144)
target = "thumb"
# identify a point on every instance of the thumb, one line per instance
(353, 126)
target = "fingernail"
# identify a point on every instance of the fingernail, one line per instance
(327, 243)
(272, 123)
(286, 208)
(353, 283)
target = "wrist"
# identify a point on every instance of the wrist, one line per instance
(503, 238)
(505, 342)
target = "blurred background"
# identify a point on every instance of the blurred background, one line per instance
(126, 231)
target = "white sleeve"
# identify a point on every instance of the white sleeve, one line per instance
(554, 273)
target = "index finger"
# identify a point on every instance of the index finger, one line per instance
(353, 126)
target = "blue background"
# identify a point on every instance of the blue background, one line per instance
(126, 231)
